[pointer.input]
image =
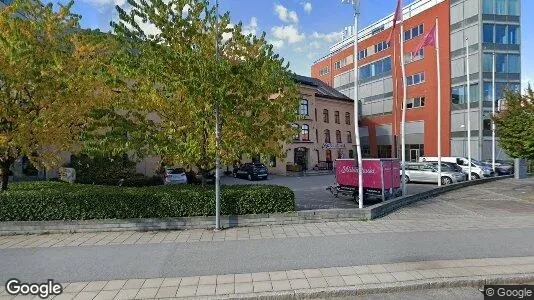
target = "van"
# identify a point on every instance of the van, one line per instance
(478, 169)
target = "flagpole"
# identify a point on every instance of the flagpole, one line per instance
(468, 107)
(403, 120)
(356, 5)
(439, 102)
(492, 120)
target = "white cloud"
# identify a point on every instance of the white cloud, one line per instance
(105, 2)
(328, 37)
(315, 44)
(252, 27)
(307, 7)
(289, 33)
(277, 44)
(286, 15)
(185, 10)
(298, 50)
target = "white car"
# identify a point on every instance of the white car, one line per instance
(174, 176)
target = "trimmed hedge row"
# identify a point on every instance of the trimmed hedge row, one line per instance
(43, 201)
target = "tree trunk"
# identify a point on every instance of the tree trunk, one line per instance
(4, 173)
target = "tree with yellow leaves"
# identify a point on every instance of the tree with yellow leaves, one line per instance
(178, 80)
(52, 76)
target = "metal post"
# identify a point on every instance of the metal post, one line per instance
(468, 106)
(217, 134)
(356, 107)
(439, 102)
(403, 120)
(493, 114)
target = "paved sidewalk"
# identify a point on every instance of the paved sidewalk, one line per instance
(337, 281)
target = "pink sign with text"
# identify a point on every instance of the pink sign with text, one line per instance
(375, 173)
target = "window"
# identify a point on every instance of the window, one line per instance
(415, 79)
(384, 151)
(459, 94)
(414, 32)
(339, 154)
(351, 153)
(487, 7)
(376, 68)
(347, 118)
(341, 63)
(362, 54)
(500, 34)
(336, 117)
(513, 35)
(488, 33)
(486, 124)
(324, 71)
(411, 57)
(305, 132)
(349, 137)
(513, 7)
(415, 102)
(500, 89)
(325, 116)
(296, 137)
(338, 137)
(381, 46)
(304, 107)
(514, 64)
(500, 63)
(327, 136)
(500, 7)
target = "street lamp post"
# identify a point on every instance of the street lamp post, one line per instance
(217, 134)
(356, 6)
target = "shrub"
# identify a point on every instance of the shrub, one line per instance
(39, 201)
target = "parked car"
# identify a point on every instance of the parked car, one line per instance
(174, 176)
(251, 171)
(427, 172)
(501, 167)
(448, 166)
(478, 169)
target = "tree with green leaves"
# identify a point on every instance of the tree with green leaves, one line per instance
(515, 125)
(52, 75)
(177, 79)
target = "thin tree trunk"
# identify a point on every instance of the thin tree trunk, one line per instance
(4, 173)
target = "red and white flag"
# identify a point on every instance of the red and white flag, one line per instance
(429, 40)
(396, 18)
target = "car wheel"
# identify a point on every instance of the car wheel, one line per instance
(446, 180)
(249, 177)
(475, 176)
(406, 179)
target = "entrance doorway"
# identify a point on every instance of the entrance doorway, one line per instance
(414, 155)
(301, 157)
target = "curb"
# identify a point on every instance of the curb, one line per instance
(471, 281)
(298, 217)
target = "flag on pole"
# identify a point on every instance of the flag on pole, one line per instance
(429, 40)
(396, 18)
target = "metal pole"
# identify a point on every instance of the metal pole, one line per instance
(439, 102)
(493, 114)
(217, 134)
(356, 106)
(468, 106)
(403, 120)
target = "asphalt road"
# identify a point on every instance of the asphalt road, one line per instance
(311, 193)
(263, 255)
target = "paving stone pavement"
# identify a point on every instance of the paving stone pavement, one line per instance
(248, 285)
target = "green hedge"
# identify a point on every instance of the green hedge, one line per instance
(41, 201)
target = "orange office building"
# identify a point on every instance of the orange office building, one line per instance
(488, 26)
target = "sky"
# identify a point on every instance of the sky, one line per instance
(303, 30)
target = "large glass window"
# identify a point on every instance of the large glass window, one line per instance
(458, 94)
(500, 63)
(487, 6)
(513, 7)
(376, 68)
(500, 7)
(488, 33)
(500, 34)
(338, 136)
(514, 63)
(513, 34)
(487, 62)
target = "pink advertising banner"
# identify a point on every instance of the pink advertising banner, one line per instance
(375, 173)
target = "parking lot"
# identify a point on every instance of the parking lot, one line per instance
(311, 191)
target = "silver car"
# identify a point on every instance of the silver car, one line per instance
(427, 172)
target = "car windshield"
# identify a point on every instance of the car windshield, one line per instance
(177, 171)
(258, 166)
